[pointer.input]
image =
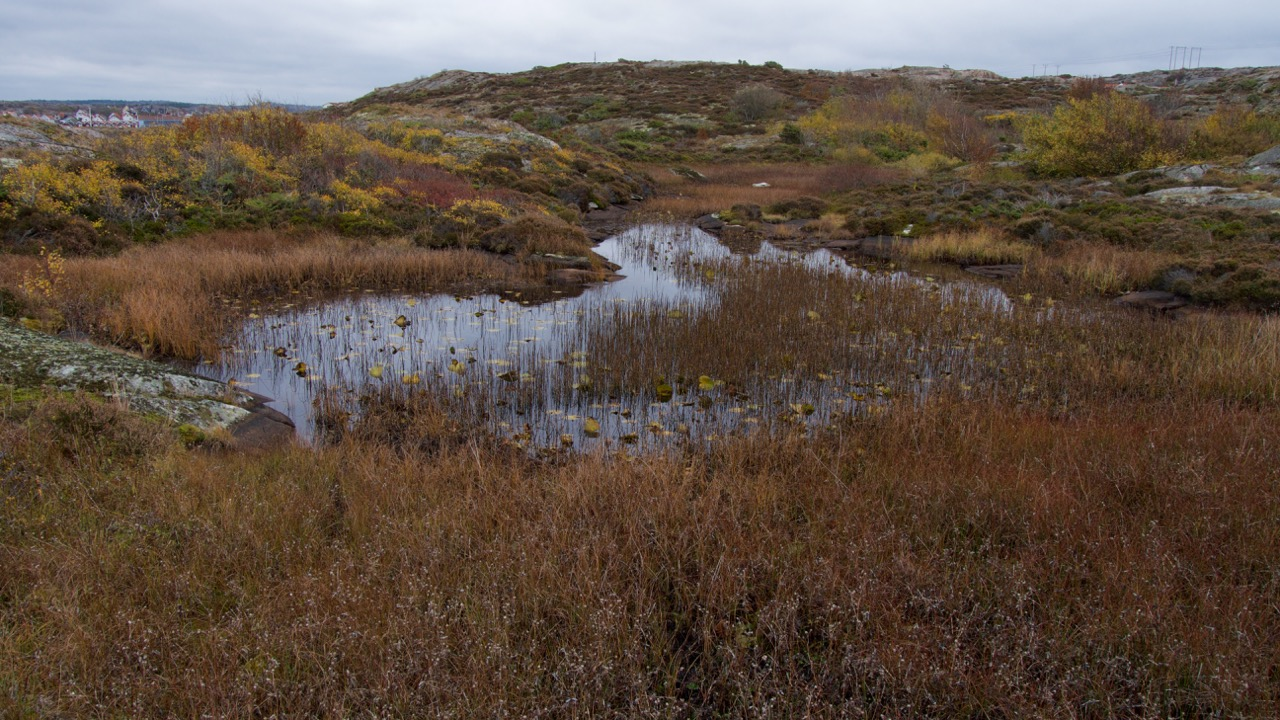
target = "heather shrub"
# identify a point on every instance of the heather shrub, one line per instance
(803, 207)
(82, 428)
(536, 233)
(756, 102)
(264, 167)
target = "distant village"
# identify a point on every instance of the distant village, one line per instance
(94, 114)
(84, 117)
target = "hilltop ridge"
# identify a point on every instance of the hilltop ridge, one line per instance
(667, 86)
(663, 110)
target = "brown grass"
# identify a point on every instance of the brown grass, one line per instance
(941, 560)
(1103, 269)
(899, 333)
(177, 299)
(732, 184)
(985, 246)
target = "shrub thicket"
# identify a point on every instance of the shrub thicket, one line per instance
(1233, 130)
(265, 167)
(891, 125)
(1105, 134)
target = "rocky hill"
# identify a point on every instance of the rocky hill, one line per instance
(664, 110)
(584, 92)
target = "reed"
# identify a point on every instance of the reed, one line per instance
(827, 331)
(985, 246)
(1102, 269)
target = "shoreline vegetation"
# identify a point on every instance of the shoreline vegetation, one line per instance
(1082, 524)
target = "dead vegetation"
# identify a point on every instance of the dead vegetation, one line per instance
(179, 299)
(941, 559)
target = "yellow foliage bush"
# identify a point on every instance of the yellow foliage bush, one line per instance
(352, 199)
(476, 211)
(46, 283)
(898, 123)
(921, 164)
(46, 187)
(1106, 134)
(1233, 130)
(273, 130)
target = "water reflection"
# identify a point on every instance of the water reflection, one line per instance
(519, 363)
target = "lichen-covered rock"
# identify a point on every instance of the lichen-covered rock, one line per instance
(32, 359)
(1156, 301)
(1267, 157)
(1214, 196)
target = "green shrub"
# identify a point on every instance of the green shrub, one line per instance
(10, 305)
(791, 134)
(801, 208)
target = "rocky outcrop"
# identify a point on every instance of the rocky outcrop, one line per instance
(1269, 158)
(33, 359)
(443, 80)
(1155, 301)
(995, 272)
(1179, 173)
(46, 137)
(1214, 196)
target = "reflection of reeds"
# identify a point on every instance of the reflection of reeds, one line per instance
(165, 299)
(785, 320)
(779, 340)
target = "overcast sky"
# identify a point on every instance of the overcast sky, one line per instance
(333, 50)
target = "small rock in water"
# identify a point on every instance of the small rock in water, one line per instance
(1153, 300)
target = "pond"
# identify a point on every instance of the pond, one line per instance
(542, 371)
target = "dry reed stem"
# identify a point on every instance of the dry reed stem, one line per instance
(1102, 269)
(981, 247)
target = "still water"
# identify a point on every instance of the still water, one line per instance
(521, 365)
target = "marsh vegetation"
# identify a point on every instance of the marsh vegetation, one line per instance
(992, 504)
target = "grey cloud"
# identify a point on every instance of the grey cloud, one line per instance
(321, 52)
